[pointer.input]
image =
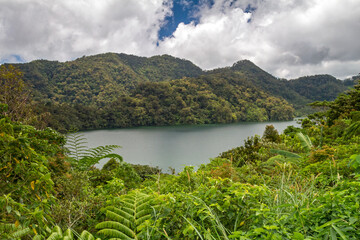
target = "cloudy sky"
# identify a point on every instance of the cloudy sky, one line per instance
(288, 38)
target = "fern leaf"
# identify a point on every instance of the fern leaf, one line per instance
(7, 227)
(85, 235)
(114, 234)
(141, 213)
(116, 226)
(142, 219)
(38, 237)
(127, 205)
(127, 217)
(76, 144)
(69, 234)
(120, 216)
(54, 236)
(101, 150)
(20, 232)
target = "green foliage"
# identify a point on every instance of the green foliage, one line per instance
(83, 158)
(355, 163)
(303, 184)
(28, 159)
(98, 80)
(207, 99)
(14, 231)
(14, 94)
(77, 202)
(344, 105)
(318, 87)
(127, 173)
(146, 171)
(271, 134)
(127, 217)
(245, 154)
(305, 141)
(111, 165)
(57, 234)
(119, 90)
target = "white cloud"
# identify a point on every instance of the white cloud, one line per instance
(66, 29)
(288, 38)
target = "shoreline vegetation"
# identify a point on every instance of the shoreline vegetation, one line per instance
(301, 184)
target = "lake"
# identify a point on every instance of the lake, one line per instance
(177, 146)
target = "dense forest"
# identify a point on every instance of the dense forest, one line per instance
(301, 184)
(203, 100)
(118, 90)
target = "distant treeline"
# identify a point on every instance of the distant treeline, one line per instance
(118, 90)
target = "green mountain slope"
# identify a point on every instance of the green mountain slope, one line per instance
(120, 90)
(298, 92)
(318, 87)
(99, 79)
(215, 98)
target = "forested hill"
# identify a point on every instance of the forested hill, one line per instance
(120, 90)
(319, 87)
(298, 92)
(216, 98)
(100, 79)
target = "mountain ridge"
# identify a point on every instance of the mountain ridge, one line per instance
(88, 85)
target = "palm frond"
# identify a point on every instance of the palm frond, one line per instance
(352, 130)
(305, 141)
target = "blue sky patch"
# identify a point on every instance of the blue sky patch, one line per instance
(184, 11)
(13, 58)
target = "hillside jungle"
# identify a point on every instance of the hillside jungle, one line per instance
(301, 184)
(118, 90)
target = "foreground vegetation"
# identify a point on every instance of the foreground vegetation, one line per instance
(302, 184)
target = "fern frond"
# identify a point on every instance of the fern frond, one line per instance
(13, 231)
(76, 144)
(101, 150)
(127, 217)
(69, 234)
(20, 232)
(120, 216)
(38, 237)
(54, 236)
(116, 226)
(85, 235)
(112, 233)
(7, 227)
(85, 157)
(142, 219)
(127, 205)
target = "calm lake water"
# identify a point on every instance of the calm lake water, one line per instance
(177, 146)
